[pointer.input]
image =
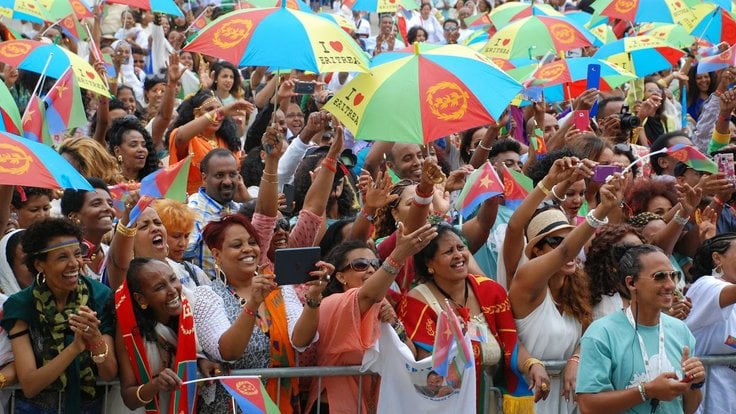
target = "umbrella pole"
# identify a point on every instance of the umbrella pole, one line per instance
(94, 50)
(51, 26)
(40, 80)
(707, 26)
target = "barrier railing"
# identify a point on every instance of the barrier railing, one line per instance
(492, 401)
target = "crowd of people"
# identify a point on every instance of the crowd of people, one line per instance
(630, 279)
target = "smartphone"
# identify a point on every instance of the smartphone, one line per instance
(725, 166)
(602, 172)
(288, 191)
(304, 88)
(581, 120)
(292, 266)
(593, 81)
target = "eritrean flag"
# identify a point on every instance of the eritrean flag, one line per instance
(34, 123)
(120, 194)
(516, 187)
(720, 61)
(168, 183)
(65, 109)
(693, 158)
(250, 394)
(9, 113)
(481, 185)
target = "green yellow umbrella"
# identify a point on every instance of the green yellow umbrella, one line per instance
(603, 35)
(536, 36)
(422, 93)
(674, 34)
(506, 13)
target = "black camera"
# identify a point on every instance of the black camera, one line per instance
(628, 120)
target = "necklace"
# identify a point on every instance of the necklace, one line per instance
(242, 301)
(447, 295)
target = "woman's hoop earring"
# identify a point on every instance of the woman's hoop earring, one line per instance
(718, 271)
(40, 278)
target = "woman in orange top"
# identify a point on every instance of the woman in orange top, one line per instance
(202, 125)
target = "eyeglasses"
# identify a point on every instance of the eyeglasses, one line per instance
(282, 224)
(553, 241)
(451, 28)
(661, 276)
(361, 265)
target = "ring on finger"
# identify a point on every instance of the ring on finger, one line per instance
(86, 328)
(544, 387)
(420, 239)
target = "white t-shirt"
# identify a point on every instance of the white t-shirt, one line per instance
(404, 385)
(714, 329)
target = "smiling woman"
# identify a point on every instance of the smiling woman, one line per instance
(132, 146)
(60, 328)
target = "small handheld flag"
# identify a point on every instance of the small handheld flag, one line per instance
(250, 394)
(481, 185)
(65, 109)
(517, 187)
(717, 62)
(692, 158)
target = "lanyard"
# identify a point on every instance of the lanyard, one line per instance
(643, 348)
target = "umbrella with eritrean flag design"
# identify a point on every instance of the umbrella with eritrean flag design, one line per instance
(640, 11)
(280, 37)
(640, 55)
(536, 36)
(9, 114)
(422, 93)
(27, 163)
(506, 13)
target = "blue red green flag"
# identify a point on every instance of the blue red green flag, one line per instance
(481, 185)
(250, 394)
(34, 123)
(65, 109)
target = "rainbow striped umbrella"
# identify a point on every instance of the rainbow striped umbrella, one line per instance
(643, 11)
(506, 13)
(640, 55)
(280, 37)
(292, 4)
(160, 6)
(27, 163)
(536, 36)
(422, 93)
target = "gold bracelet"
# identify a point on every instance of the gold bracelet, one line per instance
(545, 190)
(126, 231)
(138, 395)
(3, 381)
(530, 362)
(269, 181)
(271, 174)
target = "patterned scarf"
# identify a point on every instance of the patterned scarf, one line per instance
(79, 376)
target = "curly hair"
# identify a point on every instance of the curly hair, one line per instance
(17, 200)
(411, 35)
(338, 257)
(237, 89)
(145, 317)
(185, 114)
(541, 167)
(384, 220)
(574, 296)
(92, 158)
(37, 237)
(116, 134)
(601, 262)
(175, 215)
(703, 260)
(346, 206)
(251, 168)
(644, 189)
(466, 144)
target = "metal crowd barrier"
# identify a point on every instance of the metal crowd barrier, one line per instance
(493, 397)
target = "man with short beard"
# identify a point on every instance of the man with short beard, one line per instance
(222, 185)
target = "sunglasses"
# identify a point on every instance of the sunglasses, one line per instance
(553, 241)
(622, 147)
(282, 224)
(361, 265)
(451, 28)
(661, 276)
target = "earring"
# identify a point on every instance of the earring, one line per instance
(430, 270)
(120, 159)
(718, 271)
(40, 278)
(144, 306)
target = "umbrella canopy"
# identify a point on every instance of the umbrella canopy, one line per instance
(282, 38)
(32, 56)
(506, 13)
(641, 11)
(58, 9)
(292, 4)
(346, 24)
(422, 93)
(603, 34)
(640, 55)
(536, 36)
(478, 21)
(712, 23)
(384, 6)
(27, 163)
(30, 10)
(674, 34)
(161, 6)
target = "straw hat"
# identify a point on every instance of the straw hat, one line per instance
(542, 225)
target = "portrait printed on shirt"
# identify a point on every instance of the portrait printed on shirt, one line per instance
(430, 383)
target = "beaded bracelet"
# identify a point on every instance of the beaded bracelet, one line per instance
(367, 216)
(680, 220)
(388, 268)
(593, 221)
(423, 195)
(423, 201)
(253, 314)
(393, 262)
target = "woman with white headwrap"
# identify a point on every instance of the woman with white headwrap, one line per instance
(127, 74)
